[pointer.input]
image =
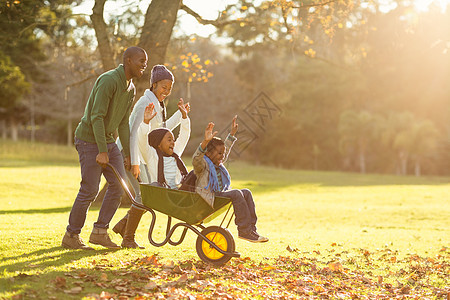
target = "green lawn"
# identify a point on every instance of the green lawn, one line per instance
(375, 224)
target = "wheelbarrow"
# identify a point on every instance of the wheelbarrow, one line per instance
(215, 244)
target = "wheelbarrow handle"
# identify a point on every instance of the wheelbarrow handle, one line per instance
(124, 186)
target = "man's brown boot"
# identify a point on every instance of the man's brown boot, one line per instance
(73, 241)
(99, 236)
(119, 228)
(134, 217)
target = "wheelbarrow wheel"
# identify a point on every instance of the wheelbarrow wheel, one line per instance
(222, 238)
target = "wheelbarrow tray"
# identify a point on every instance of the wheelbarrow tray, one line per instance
(183, 205)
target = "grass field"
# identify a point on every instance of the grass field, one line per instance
(373, 224)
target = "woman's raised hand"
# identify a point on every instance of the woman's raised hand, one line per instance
(149, 113)
(184, 108)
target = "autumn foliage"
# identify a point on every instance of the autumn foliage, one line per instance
(356, 274)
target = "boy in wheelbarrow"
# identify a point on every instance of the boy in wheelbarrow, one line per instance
(213, 180)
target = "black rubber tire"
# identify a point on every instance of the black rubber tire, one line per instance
(223, 238)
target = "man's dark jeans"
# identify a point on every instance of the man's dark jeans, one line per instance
(90, 180)
(244, 208)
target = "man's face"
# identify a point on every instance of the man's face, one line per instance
(138, 64)
(162, 89)
(217, 154)
(167, 143)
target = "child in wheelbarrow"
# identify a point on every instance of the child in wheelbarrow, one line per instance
(213, 180)
(161, 153)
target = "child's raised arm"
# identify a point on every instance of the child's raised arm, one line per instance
(209, 134)
(234, 126)
(198, 162)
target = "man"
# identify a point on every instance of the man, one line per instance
(107, 111)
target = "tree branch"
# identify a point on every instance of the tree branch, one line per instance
(217, 23)
(82, 80)
(315, 4)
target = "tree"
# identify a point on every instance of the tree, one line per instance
(13, 87)
(356, 130)
(395, 136)
(24, 25)
(425, 136)
(238, 19)
(416, 141)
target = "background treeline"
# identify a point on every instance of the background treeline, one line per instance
(359, 87)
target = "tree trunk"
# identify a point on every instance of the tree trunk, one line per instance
(160, 19)
(104, 46)
(69, 119)
(14, 129)
(417, 170)
(3, 128)
(32, 120)
(159, 22)
(362, 162)
(69, 133)
(403, 162)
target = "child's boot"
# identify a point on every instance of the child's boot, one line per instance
(134, 217)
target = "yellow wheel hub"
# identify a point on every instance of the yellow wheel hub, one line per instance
(220, 241)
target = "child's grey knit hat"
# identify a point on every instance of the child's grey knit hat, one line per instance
(160, 72)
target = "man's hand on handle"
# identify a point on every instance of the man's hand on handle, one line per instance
(102, 159)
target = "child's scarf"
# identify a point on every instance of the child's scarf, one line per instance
(180, 165)
(213, 180)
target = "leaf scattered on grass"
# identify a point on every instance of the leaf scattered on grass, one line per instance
(331, 275)
(75, 290)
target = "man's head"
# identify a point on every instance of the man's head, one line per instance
(161, 82)
(134, 62)
(215, 150)
(162, 139)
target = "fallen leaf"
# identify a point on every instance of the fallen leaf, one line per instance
(59, 282)
(177, 270)
(336, 267)
(105, 295)
(405, 289)
(183, 278)
(75, 290)
(103, 277)
(151, 285)
(169, 265)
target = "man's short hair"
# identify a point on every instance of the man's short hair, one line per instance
(132, 51)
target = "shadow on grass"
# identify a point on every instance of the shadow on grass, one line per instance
(37, 163)
(95, 206)
(55, 210)
(45, 258)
